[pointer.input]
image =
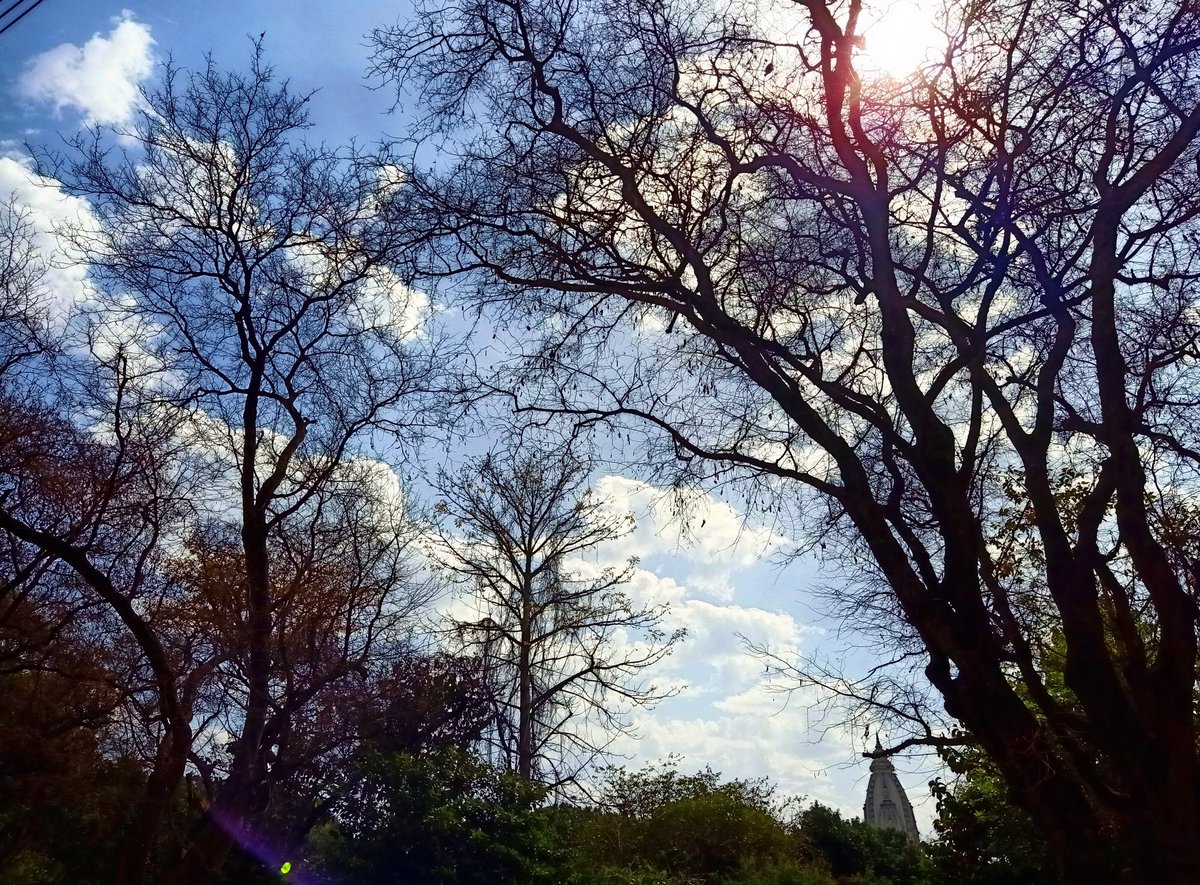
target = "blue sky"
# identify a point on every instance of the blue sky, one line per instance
(75, 61)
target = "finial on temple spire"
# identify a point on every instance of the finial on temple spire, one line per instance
(887, 804)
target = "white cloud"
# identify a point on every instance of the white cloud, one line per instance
(730, 719)
(382, 301)
(66, 278)
(741, 728)
(386, 301)
(746, 746)
(391, 179)
(706, 539)
(725, 714)
(377, 478)
(713, 656)
(774, 740)
(100, 79)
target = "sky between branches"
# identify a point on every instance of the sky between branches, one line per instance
(74, 63)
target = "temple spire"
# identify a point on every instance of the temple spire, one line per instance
(887, 804)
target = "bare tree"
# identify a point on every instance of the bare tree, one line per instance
(24, 300)
(83, 515)
(247, 302)
(546, 624)
(346, 586)
(885, 302)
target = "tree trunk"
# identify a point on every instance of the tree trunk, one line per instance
(164, 779)
(207, 852)
(525, 711)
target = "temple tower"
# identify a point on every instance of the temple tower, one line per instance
(887, 806)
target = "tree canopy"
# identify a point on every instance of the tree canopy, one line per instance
(886, 302)
(939, 329)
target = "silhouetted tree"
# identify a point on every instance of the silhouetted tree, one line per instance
(24, 299)
(565, 651)
(247, 337)
(883, 301)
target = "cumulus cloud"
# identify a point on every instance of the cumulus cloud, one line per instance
(48, 208)
(725, 714)
(100, 79)
(386, 301)
(714, 652)
(729, 717)
(709, 549)
(712, 661)
(382, 300)
(773, 739)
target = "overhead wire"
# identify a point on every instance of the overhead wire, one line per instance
(13, 6)
(10, 8)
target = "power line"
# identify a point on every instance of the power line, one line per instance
(13, 6)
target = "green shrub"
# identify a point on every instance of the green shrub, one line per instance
(443, 818)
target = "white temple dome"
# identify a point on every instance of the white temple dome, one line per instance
(887, 805)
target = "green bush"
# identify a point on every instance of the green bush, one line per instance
(443, 818)
(659, 827)
(862, 854)
(783, 872)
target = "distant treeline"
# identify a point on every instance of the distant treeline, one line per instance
(446, 816)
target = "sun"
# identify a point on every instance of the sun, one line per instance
(899, 37)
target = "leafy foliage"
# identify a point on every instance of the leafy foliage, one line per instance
(983, 837)
(659, 826)
(854, 850)
(446, 817)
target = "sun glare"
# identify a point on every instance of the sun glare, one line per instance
(901, 37)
